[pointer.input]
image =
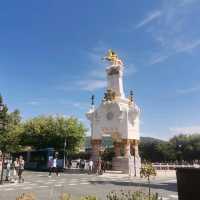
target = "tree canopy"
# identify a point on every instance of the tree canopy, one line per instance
(47, 131)
(180, 147)
(10, 130)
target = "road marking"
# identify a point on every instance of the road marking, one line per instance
(26, 188)
(72, 184)
(48, 183)
(84, 183)
(58, 185)
(170, 181)
(32, 184)
(43, 186)
(165, 198)
(9, 189)
(174, 196)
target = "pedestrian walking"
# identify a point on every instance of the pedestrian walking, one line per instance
(90, 166)
(99, 162)
(103, 166)
(54, 167)
(50, 166)
(82, 164)
(1, 163)
(15, 169)
(21, 169)
(8, 167)
(16, 166)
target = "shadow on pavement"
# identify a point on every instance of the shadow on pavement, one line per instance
(165, 186)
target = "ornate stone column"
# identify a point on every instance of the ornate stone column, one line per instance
(136, 148)
(126, 144)
(117, 146)
(96, 147)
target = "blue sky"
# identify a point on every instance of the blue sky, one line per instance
(50, 58)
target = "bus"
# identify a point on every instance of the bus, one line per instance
(38, 159)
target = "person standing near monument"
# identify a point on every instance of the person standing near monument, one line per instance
(21, 169)
(16, 168)
(90, 166)
(8, 167)
(50, 165)
(99, 162)
(54, 167)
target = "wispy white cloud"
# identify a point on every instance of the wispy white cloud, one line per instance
(158, 59)
(186, 2)
(150, 17)
(91, 85)
(185, 130)
(189, 90)
(186, 46)
(178, 46)
(95, 78)
(99, 73)
(33, 103)
(130, 70)
(75, 104)
(173, 32)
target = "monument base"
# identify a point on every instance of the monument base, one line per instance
(129, 165)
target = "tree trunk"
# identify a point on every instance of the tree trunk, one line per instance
(149, 188)
(1, 181)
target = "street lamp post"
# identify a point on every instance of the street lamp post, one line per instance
(3, 155)
(64, 157)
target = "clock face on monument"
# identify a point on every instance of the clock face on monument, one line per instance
(109, 116)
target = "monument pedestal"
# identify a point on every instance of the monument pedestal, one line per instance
(129, 165)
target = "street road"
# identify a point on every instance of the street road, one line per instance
(79, 185)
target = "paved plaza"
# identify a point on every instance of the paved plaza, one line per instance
(77, 185)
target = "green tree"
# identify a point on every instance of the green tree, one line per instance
(187, 146)
(48, 131)
(10, 130)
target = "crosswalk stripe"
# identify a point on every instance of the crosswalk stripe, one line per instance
(43, 186)
(9, 189)
(27, 188)
(72, 184)
(58, 185)
(174, 196)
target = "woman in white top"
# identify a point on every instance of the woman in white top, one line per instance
(16, 168)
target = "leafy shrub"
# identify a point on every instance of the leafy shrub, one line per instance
(128, 195)
(114, 195)
(147, 171)
(26, 196)
(65, 196)
(89, 198)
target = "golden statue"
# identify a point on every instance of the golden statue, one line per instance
(113, 58)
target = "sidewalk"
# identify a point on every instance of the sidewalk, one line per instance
(120, 174)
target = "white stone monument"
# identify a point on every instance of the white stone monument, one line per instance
(117, 116)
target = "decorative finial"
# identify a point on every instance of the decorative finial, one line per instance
(109, 95)
(92, 98)
(131, 95)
